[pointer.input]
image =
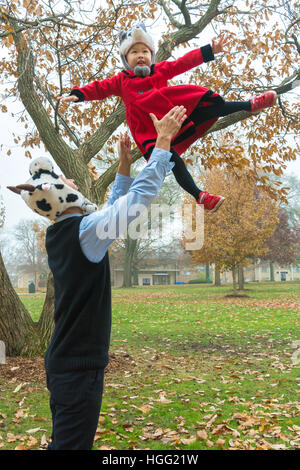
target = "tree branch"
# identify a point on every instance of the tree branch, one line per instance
(295, 40)
(187, 32)
(170, 16)
(92, 145)
(68, 160)
(287, 85)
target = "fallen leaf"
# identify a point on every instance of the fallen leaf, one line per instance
(44, 442)
(220, 443)
(202, 434)
(145, 409)
(32, 431)
(21, 447)
(188, 441)
(32, 441)
(209, 443)
(18, 388)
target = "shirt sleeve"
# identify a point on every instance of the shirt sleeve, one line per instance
(99, 89)
(99, 229)
(120, 187)
(190, 60)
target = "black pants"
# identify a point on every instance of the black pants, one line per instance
(199, 115)
(75, 402)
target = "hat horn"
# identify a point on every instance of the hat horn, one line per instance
(22, 187)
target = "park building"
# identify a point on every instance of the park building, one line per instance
(262, 271)
(175, 271)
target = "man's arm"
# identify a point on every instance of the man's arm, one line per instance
(122, 181)
(100, 229)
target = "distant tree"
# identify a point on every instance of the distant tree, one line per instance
(130, 251)
(31, 247)
(283, 246)
(240, 227)
(292, 208)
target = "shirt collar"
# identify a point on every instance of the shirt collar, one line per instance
(67, 216)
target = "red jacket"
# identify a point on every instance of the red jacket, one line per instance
(144, 95)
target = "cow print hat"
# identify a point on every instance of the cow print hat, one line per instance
(46, 193)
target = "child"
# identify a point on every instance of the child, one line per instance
(144, 89)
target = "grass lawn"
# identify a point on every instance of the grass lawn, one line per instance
(197, 370)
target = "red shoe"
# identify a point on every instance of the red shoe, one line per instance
(210, 202)
(266, 100)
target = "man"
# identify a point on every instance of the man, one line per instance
(77, 246)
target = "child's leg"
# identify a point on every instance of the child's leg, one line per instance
(219, 107)
(183, 176)
(205, 113)
(181, 173)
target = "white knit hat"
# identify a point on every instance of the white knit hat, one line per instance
(46, 193)
(134, 35)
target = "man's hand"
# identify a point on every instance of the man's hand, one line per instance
(125, 157)
(168, 126)
(68, 99)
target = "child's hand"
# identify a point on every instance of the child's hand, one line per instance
(124, 149)
(68, 99)
(219, 45)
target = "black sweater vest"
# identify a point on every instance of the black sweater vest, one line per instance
(82, 312)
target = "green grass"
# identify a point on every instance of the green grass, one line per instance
(33, 303)
(198, 370)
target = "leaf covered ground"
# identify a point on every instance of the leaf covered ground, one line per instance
(190, 368)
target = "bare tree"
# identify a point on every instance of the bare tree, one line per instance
(33, 257)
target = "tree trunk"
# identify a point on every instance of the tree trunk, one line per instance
(130, 247)
(135, 271)
(207, 273)
(234, 280)
(21, 335)
(217, 277)
(46, 321)
(17, 329)
(272, 271)
(241, 277)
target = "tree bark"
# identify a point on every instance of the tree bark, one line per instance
(130, 247)
(234, 280)
(17, 329)
(217, 277)
(207, 273)
(241, 277)
(272, 278)
(46, 321)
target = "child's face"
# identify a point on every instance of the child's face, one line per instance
(139, 54)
